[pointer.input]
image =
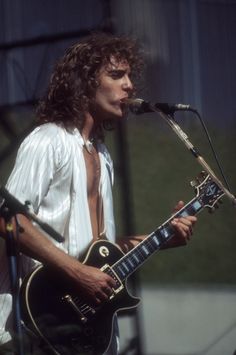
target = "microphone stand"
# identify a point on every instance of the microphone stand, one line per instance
(9, 207)
(184, 138)
(12, 254)
(15, 206)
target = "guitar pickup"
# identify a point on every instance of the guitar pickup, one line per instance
(119, 285)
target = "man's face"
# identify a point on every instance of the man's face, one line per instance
(114, 86)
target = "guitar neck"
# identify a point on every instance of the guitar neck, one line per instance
(131, 261)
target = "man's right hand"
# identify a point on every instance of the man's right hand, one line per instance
(92, 283)
(88, 281)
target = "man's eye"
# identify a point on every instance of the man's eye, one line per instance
(116, 74)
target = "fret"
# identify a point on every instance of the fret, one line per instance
(130, 262)
(191, 209)
(125, 266)
(121, 272)
(139, 254)
(135, 257)
(184, 214)
(150, 245)
(145, 250)
(197, 206)
(166, 232)
(156, 240)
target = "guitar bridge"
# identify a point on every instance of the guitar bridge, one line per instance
(119, 285)
(82, 317)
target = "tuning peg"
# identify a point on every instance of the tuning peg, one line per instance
(194, 183)
(201, 176)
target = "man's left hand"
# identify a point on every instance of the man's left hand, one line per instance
(183, 228)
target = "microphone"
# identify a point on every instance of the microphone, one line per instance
(139, 106)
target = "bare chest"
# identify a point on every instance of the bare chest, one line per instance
(93, 171)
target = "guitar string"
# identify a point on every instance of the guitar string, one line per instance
(141, 255)
(149, 242)
(84, 307)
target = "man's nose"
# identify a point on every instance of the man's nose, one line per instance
(127, 84)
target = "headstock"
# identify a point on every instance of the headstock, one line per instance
(207, 191)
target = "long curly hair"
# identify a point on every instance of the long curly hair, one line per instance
(74, 80)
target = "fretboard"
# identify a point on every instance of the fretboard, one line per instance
(153, 242)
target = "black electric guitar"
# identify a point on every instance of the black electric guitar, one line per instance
(66, 322)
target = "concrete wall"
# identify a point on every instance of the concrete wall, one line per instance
(185, 321)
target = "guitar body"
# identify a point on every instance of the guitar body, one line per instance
(66, 323)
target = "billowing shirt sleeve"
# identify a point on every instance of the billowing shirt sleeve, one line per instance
(37, 161)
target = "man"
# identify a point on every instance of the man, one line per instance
(64, 169)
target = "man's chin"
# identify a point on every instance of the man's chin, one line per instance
(116, 115)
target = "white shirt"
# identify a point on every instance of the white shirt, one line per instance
(50, 172)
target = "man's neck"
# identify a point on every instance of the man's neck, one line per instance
(87, 130)
(92, 129)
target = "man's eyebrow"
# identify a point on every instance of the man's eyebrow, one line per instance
(118, 70)
(111, 68)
